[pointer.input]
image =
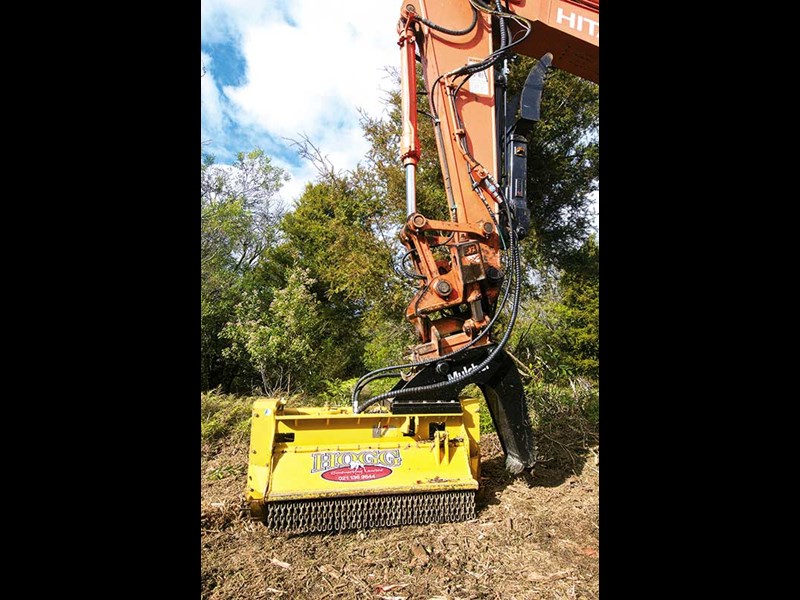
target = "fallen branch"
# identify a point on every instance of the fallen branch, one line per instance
(571, 456)
(523, 367)
(280, 563)
(550, 577)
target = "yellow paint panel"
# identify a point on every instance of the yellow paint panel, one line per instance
(308, 453)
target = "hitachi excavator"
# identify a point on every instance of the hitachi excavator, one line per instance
(411, 455)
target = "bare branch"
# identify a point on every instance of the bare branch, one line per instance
(308, 150)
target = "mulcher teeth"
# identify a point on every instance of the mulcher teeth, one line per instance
(364, 512)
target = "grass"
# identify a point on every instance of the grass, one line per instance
(566, 419)
(226, 471)
(577, 401)
(223, 414)
(574, 407)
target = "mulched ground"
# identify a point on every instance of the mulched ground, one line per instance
(535, 538)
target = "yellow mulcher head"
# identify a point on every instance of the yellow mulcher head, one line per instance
(327, 469)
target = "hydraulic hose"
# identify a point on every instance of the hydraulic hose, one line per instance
(503, 37)
(517, 275)
(441, 29)
(365, 379)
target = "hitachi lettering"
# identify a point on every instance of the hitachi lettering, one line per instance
(578, 22)
(324, 461)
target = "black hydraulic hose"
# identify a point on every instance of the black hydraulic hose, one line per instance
(419, 299)
(369, 376)
(498, 54)
(503, 37)
(408, 273)
(470, 69)
(458, 378)
(365, 379)
(469, 28)
(375, 375)
(517, 274)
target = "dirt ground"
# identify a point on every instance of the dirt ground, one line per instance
(531, 539)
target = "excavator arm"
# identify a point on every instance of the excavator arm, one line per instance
(482, 153)
(468, 268)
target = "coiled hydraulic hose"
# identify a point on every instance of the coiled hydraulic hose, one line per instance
(517, 276)
(503, 37)
(381, 373)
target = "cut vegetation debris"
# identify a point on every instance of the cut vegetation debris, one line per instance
(530, 540)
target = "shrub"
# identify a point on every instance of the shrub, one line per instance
(223, 414)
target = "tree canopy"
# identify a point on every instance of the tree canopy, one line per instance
(307, 298)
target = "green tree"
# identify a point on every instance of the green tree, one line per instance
(579, 312)
(280, 337)
(558, 333)
(342, 233)
(314, 295)
(238, 223)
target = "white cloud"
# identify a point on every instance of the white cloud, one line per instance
(211, 104)
(220, 19)
(305, 79)
(309, 79)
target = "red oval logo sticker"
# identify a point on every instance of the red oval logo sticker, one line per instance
(360, 473)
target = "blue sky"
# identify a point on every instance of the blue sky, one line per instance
(278, 69)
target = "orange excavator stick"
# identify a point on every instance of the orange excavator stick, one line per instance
(450, 37)
(468, 268)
